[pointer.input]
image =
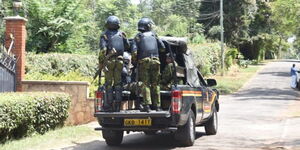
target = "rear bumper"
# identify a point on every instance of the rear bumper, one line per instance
(161, 120)
(137, 129)
(133, 114)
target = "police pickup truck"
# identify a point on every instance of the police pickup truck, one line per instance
(186, 106)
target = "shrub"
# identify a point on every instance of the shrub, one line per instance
(22, 114)
(231, 55)
(207, 57)
(60, 64)
(244, 63)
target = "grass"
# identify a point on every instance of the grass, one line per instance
(66, 136)
(235, 78)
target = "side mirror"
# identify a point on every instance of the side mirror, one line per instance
(211, 82)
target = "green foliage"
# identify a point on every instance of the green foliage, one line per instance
(244, 63)
(230, 57)
(175, 26)
(198, 39)
(207, 57)
(61, 64)
(62, 67)
(3, 12)
(286, 14)
(22, 114)
(74, 26)
(249, 25)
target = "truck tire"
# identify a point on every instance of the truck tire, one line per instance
(211, 126)
(186, 134)
(112, 137)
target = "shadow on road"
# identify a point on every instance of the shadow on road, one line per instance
(134, 141)
(293, 144)
(282, 74)
(267, 94)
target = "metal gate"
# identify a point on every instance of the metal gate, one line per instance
(7, 69)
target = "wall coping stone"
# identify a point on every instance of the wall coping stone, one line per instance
(55, 82)
(15, 18)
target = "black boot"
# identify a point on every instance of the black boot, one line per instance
(118, 100)
(146, 108)
(108, 100)
(116, 106)
(138, 105)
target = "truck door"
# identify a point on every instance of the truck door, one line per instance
(207, 97)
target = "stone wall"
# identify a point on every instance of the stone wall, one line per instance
(82, 108)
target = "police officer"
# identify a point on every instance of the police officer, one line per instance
(127, 68)
(168, 72)
(148, 46)
(113, 41)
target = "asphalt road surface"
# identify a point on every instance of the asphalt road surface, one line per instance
(264, 114)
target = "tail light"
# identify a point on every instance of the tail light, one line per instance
(176, 101)
(98, 101)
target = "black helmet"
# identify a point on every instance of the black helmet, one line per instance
(145, 24)
(112, 23)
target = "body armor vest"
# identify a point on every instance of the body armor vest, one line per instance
(115, 40)
(147, 45)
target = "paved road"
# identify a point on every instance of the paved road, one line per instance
(264, 114)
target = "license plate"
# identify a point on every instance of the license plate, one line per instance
(137, 122)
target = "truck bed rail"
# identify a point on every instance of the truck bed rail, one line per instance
(133, 113)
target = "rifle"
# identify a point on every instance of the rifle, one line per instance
(111, 53)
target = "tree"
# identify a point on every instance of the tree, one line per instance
(247, 24)
(286, 20)
(5, 9)
(51, 24)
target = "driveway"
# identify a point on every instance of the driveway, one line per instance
(264, 114)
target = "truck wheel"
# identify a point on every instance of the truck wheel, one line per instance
(112, 137)
(211, 126)
(186, 134)
(152, 132)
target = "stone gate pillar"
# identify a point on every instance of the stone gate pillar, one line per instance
(16, 26)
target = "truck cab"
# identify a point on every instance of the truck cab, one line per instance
(189, 103)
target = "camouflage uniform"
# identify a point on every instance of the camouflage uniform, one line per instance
(149, 66)
(110, 40)
(167, 77)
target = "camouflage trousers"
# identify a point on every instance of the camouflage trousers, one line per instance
(149, 75)
(113, 74)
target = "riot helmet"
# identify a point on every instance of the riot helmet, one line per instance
(145, 24)
(112, 23)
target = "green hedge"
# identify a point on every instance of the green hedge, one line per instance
(60, 64)
(22, 114)
(207, 57)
